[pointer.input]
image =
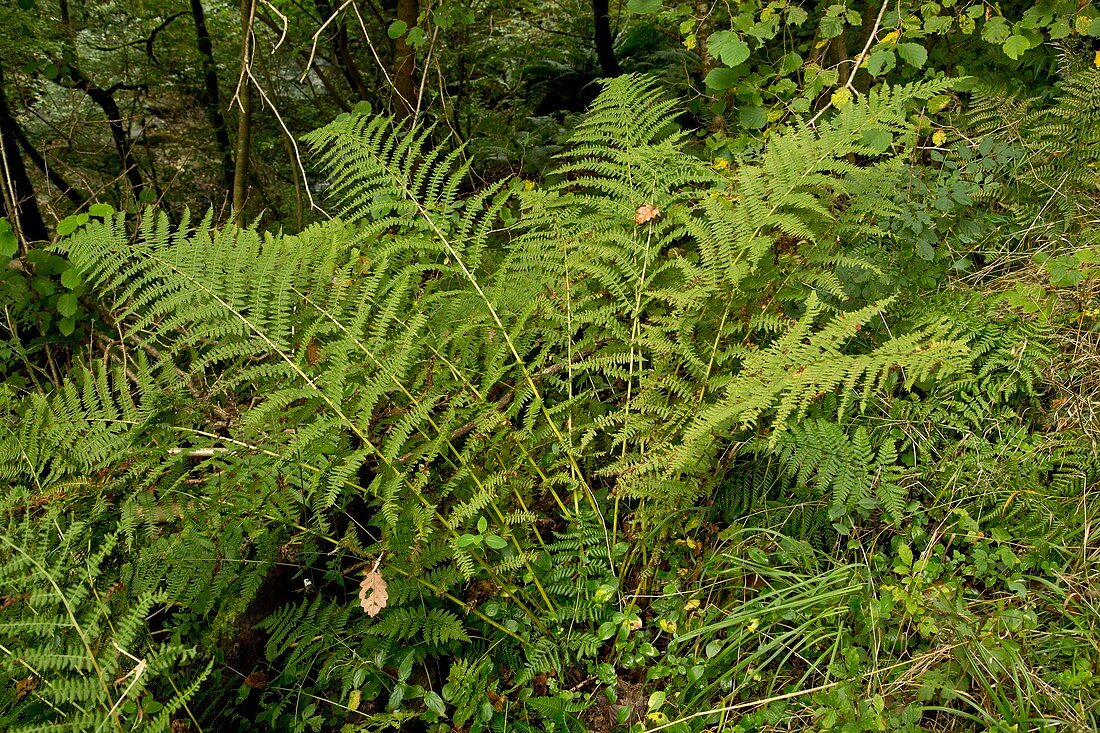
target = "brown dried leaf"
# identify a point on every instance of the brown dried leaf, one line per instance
(646, 212)
(372, 593)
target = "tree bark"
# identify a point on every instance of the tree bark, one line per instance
(244, 117)
(19, 200)
(404, 62)
(605, 46)
(211, 98)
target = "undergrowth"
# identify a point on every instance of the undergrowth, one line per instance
(654, 445)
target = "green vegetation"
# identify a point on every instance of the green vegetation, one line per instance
(750, 388)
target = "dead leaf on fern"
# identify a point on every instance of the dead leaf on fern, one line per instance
(646, 212)
(372, 592)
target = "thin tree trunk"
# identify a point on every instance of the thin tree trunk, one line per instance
(404, 62)
(244, 117)
(341, 51)
(75, 195)
(211, 98)
(106, 102)
(19, 200)
(605, 47)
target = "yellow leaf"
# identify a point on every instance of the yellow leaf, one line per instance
(354, 699)
(841, 97)
(1096, 60)
(890, 37)
(939, 137)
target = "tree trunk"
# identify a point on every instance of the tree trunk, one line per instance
(19, 200)
(404, 62)
(605, 47)
(106, 102)
(75, 195)
(338, 40)
(244, 118)
(211, 99)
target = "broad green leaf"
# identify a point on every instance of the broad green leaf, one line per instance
(728, 47)
(70, 224)
(881, 62)
(71, 278)
(397, 29)
(721, 78)
(913, 54)
(1015, 46)
(9, 245)
(996, 30)
(643, 7)
(101, 210)
(67, 305)
(878, 139)
(754, 118)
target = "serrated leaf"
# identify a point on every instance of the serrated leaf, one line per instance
(913, 54)
(1015, 46)
(67, 305)
(721, 79)
(70, 224)
(728, 48)
(753, 118)
(881, 62)
(9, 245)
(878, 139)
(71, 278)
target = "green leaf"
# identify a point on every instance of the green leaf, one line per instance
(67, 305)
(995, 30)
(9, 245)
(71, 278)
(70, 224)
(467, 540)
(434, 702)
(496, 542)
(1015, 46)
(796, 15)
(905, 555)
(789, 63)
(721, 79)
(416, 37)
(656, 700)
(643, 7)
(881, 61)
(728, 47)
(482, 525)
(913, 54)
(101, 210)
(397, 29)
(878, 139)
(754, 118)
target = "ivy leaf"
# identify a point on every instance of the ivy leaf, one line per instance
(728, 48)
(1016, 46)
(880, 62)
(643, 7)
(914, 54)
